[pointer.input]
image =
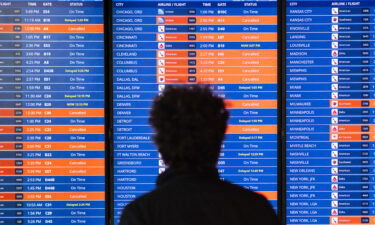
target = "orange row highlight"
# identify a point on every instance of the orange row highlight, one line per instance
(351, 137)
(254, 79)
(48, 129)
(231, 54)
(251, 104)
(351, 219)
(251, 129)
(52, 171)
(217, 71)
(53, 28)
(52, 163)
(248, 37)
(217, 20)
(53, 196)
(52, 112)
(55, 146)
(351, 128)
(218, 62)
(351, 103)
(270, 195)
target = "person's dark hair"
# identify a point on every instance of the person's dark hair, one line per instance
(189, 123)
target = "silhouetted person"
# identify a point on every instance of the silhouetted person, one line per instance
(190, 124)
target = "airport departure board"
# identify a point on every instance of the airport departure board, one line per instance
(52, 167)
(53, 92)
(330, 108)
(231, 45)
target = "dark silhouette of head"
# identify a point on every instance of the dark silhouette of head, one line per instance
(189, 123)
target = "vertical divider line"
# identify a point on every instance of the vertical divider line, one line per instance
(108, 112)
(282, 111)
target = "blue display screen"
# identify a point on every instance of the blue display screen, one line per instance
(329, 108)
(52, 168)
(231, 45)
(53, 91)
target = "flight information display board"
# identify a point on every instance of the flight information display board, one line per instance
(52, 112)
(330, 101)
(229, 44)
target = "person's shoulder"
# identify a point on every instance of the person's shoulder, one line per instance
(143, 200)
(136, 212)
(147, 200)
(254, 202)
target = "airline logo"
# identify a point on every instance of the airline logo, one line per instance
(161, 37)
(335, 11)
(334, 128)
(161, 45)
(161, 79)
(161, 87)
(161, 71)
(161, 54)
(334, 195)
(335, 53)
(161, 20)
(161, 62)
(334, 104)
(161, 29)
(161, 170)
